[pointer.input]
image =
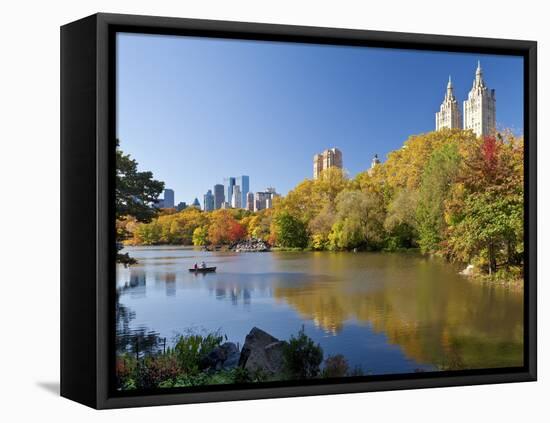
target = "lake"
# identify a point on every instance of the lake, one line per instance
(385, 312)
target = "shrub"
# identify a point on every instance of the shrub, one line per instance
(191, 349)
(154, 370)
(125, 368)
(336, 366)
(302, 357)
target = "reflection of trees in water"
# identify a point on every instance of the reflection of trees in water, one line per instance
(453, 326)
(139, 341)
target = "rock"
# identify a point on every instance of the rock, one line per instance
(262, 352)
(218, 357)
(250, 245)
(468, 271)
(232, 355)
(274, 354)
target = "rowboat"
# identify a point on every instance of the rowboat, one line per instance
(202, 269)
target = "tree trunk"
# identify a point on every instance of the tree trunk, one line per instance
(492, 259)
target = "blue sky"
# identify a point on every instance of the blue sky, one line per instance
(196, 110)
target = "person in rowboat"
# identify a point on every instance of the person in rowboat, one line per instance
(196, 266)
(203, 265)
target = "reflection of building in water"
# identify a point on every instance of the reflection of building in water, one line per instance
(237, 294)
(137, 278)
(169, 280)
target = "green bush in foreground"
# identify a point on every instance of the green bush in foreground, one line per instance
(302, 357)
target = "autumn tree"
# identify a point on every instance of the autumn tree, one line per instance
(359, 220)
(224, 228)
(487, 215)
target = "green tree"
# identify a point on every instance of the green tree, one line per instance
(359, 220)
(438, 176)
(290, 232)
(200, 236)
(486, 211)
(400, 222)
(135, 194)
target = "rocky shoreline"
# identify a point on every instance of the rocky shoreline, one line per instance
(251, 245)
(261, 353)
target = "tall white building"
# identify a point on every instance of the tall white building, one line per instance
(236, 200)
(449, 111)
(480, 108)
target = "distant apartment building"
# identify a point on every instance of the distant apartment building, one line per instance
(331, 157)
(226, 205)
(237, 198)
(219, 196)
(181, 206)
(249, 201)
(264, 199)
(208, 201)
(196, 203)
(168, 198)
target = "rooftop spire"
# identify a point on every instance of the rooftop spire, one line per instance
(478, 81)
(449, 95)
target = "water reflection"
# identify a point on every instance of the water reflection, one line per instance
(385, 312)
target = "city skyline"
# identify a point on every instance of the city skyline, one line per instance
(276, 104)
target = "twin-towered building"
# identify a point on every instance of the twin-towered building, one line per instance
(479, 109)
(479, 115)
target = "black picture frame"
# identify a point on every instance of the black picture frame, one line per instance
(87, 231)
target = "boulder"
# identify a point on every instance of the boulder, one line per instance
(274, 355)
(468, 271)
(225, 356)
(232, 355)
(262, 352)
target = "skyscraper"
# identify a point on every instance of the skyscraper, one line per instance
(250, 201)
(168, 198)
(219, 196)
(196, 203)
(244, 182)
(449, 112)
(236, 200)
(208, 204)
(230, 183)
(331, 157)
(480, 107)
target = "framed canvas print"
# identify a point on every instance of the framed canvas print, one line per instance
(255, 211)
